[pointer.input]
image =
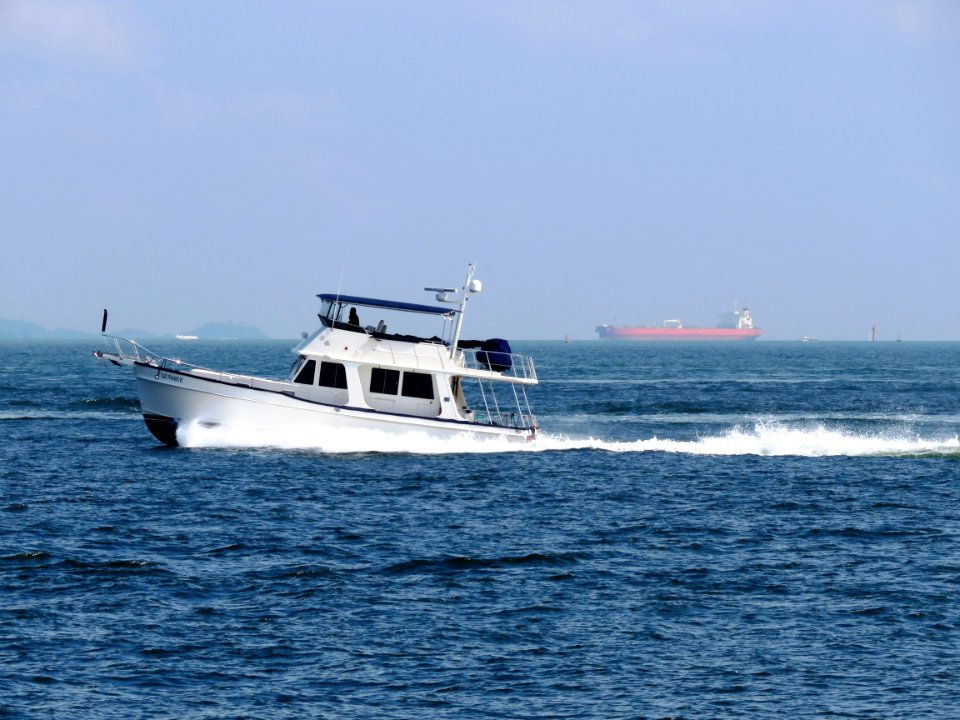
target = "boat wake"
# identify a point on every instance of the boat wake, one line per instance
(774, 439)
(762, 439)
(340, 440)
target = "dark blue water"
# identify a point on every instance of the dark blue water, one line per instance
(763, 531)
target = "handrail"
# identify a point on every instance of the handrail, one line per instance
(132, 350)
(521, 366)
(135, 349)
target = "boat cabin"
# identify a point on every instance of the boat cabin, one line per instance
(370, 366)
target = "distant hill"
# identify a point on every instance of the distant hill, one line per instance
(24, 330)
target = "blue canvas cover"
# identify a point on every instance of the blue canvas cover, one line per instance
(493, 354)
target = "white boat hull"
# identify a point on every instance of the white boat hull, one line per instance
(171, 400)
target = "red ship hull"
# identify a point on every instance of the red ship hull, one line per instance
(650, 334)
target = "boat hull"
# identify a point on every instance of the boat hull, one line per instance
(162, 428)
(692, 334)
(171, 400)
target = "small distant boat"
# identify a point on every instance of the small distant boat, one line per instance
(349, 376)
(808, 338)
(733, 326)
(185, 337)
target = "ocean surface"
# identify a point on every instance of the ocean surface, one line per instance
(758, 531)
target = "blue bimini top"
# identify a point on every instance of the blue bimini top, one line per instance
(387, 304)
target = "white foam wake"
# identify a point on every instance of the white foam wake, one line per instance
(776, 440)
(762, 438)
(340, 440)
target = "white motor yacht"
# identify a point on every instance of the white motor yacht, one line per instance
(347, 375)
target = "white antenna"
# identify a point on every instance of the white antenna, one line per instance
(335, 311)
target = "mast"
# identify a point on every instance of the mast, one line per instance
(469, 286)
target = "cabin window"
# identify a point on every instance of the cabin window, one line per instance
(383, 381)
(305, 376)
(418, 385)
(332, 375)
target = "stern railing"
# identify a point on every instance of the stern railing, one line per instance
(521, 367)
(502, 407)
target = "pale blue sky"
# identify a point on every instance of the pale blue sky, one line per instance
(602, 161)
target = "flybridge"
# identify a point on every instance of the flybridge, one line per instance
(386, 304)
(334, 304)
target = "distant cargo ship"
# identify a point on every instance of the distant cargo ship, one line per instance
(733, 326)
